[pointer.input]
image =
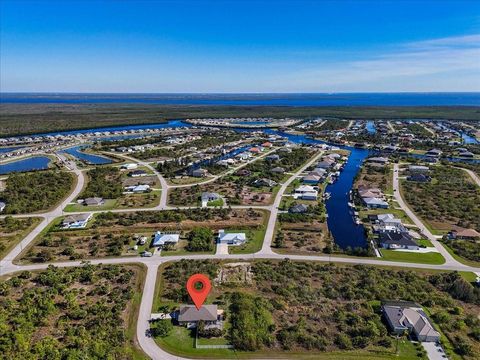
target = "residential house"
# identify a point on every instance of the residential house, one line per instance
(189, 316)
(231, 238)
(255, 150)
(93, 201)
(387, 222)
(319, 172)
(365, 192)
(298, 209)
(273, 157)
(418, 169)
(305, 188)
(243, 172)
(374, 203)
(129, 166)
(378, 160)
(206, 197)
(465, 234)
(434, 152)
(138, 188)
(264, 182)
(267, 144)
(311, 179)
(137, 173)
(397, 240)
(419, 178)
(76, 221)
(278, 170)
(412, 319)
(466, 154)
(199, 172)
(325, 164)
(160, 239)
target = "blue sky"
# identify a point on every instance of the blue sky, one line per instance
(239, 46)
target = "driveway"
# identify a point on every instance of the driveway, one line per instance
(434, 351)
(222, 249)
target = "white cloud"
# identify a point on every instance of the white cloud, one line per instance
(406, 68)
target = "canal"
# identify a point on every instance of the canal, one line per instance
(86, 157)
(28, 164)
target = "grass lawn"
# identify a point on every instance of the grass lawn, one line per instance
(411, 257)
(424, 242)
(181, 342)
(108, 205)
(218, 202)
(469, 276)
(253, 244)
(180, 249)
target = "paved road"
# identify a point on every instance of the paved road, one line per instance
(472, 175)
(270, 231)
(449, 260)
(152, 263)
(48, 217)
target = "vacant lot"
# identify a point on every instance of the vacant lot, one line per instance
(320, 308)
(71, 313)
(27, 193)
(449, 201)
(13, 230)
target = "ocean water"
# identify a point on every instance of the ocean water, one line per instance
(297, 99)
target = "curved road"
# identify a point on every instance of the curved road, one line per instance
(152, 263)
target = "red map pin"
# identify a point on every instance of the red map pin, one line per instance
(198, 295)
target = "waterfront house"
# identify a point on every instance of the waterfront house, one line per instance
(76, 221)
(267, 144)
(410, 318)
(231, 238)
(374, 203)
(160, 239)
(255, 150)
(311, 179)
(319, 172)
(324, 164)
(393, 240)
(378, 160)
(93, 201)
(466, 154)
(189, 316)
(365, 192)
(298, 209)
(304, 188)
(434, 152)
